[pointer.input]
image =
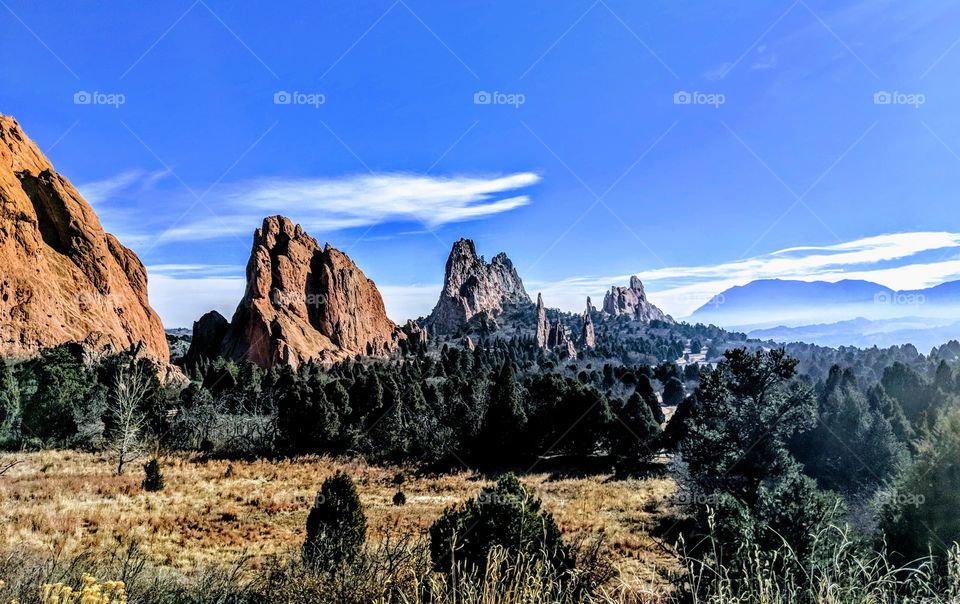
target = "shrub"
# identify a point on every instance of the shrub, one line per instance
(399, 498)
(336, 526)
(506, 516)
(153, 479)
(108, 592)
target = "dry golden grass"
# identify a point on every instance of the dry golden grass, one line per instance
(67, 501)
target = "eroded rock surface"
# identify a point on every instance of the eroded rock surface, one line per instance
(472, 286)
(62, 277)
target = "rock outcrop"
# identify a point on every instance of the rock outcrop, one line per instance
(207, 337)
(560, 342)
(472, 286)
(632, 302)
(543, 326)
(588, 335)
(305, 302)
(414, 333)
(62, 277)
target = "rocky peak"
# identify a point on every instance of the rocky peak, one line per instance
(472, 286)
(62, 277)
(303, 302)
(543, 326)
(588, 336)
(632, 302)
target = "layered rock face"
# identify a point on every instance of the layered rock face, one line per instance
(632, 302)
(472, 286)
(62, 278)
(303, 302)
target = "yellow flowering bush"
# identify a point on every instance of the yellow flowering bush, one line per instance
(90, 592)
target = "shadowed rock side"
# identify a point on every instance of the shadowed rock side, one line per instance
(62, 278)
(632, 302)
(207, 337)
(472, 286)
(303, 302)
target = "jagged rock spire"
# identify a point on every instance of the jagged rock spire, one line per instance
(543, 326)
(588, 337)
(472, 286)
(305, 302)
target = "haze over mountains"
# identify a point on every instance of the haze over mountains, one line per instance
(848, 312)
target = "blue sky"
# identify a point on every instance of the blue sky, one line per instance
(823, 133)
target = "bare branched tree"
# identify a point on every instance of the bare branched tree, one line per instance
(8, 465)
(130, 388)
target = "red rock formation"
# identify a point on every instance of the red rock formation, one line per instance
(303, 302)
(62, 278)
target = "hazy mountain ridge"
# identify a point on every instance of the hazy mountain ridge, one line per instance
(776, 303)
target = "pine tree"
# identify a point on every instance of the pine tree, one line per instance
(505, 418)
(9, 402)
(336, 525)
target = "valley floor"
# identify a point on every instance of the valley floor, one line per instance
(65, 502)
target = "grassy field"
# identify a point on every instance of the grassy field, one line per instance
(66, 501)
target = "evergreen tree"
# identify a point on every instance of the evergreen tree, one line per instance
(505, 418)
(646, 392)
(919, 510)
(9, 402)
(64, 389)
(673, 392)
(336, 525)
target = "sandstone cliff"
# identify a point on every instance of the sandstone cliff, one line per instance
(472, 286)
(305, 302)
(632, 302)
(62, 278)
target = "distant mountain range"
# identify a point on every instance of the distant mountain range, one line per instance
(849, 312)
(776, 302)
(922, 333)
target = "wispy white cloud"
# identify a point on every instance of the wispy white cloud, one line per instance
(898, 261)
(127, 183)
(890, 260)
(331, 204)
